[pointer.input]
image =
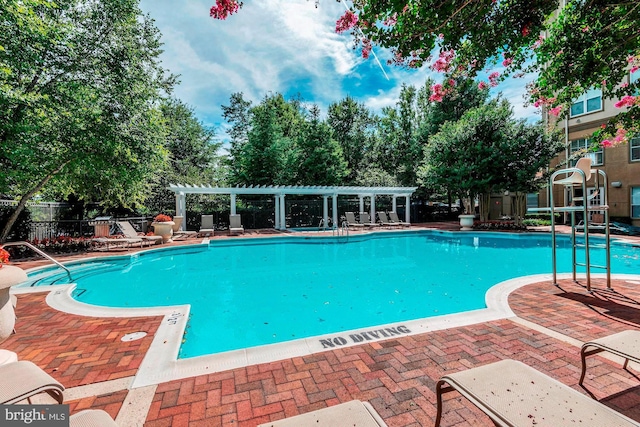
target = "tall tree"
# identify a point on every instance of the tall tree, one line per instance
(193, 157)
(321, 160)
(78, 84)
(353, 125)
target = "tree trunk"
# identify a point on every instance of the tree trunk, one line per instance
(23, 202)
(520, 208)
(485, 200)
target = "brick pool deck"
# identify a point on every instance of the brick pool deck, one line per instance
(396, 376)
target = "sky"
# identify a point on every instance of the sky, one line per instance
(285, 46)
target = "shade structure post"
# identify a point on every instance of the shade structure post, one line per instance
(277, 212)
(181, 207)
(283, 218)
(361, 197)
(334, 208)
(325, 211)
(233, 203)
(407, 209)
(373, 208)
(395, 204)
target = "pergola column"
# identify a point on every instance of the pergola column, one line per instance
(325, 211)
(373, 208)
(277, 202)
(395, 204)
(407, 209)
(233, 203)
(283, 219)
(361, 197)
(181, 207)
(334, 208)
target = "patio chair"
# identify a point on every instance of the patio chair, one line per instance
(235, 224)
(23, 380)
(514, 394)
(206, 226)
(179, 234)
(625, 344)
(393, 217)
(351, 220)
(352, 413)
(365, 220)
(130, 233)
(111, 242)
(91, 418)
(384, 220)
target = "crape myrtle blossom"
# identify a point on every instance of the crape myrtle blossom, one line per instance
(346, 22)
(224, 8)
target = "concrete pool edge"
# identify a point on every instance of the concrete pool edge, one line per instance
(161, 363)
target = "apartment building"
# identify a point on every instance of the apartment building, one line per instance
(620, 163)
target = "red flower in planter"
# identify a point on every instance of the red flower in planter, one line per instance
(162, 218)
(4, 257)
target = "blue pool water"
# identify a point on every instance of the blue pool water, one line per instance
(261, 291)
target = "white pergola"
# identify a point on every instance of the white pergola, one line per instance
(279, 192)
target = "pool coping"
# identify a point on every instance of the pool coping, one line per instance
(161, 363)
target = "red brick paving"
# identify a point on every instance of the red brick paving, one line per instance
(78, 350)
(396, 376)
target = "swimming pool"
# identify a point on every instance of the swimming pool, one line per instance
(251, 292)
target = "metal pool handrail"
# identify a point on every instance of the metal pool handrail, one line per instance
(38, 251)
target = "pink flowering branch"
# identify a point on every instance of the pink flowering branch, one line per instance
(224, 8)
(346, 22)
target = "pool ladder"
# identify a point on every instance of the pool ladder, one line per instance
(343, 230)
(39, 252)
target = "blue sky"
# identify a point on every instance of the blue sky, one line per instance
(286, 46)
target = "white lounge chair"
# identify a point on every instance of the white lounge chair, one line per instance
(625, 344)
(365, 220)
(235, 224)
(23, 380)
(130, 233)
(384, 220)
(351, 220)
(393, 217)
(352, 413)
(206, 226)
(514, 394)
(111, 242)
(177, 233)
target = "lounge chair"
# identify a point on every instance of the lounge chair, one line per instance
(91, 418)
(177, 233)
(352, 413)
(130, 233)
(365, 220)
(384, 220)
(112, 242)
(514, 394)
(206, 226)
(393, 218)
(625, 344)
(235, 225)
(22, 380)
(351, 220)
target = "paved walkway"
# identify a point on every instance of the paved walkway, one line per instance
(396, 376)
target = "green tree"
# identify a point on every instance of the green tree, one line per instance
(78, 85)
(352, 125)
(193, 157)
(321, 160)
(584, 44)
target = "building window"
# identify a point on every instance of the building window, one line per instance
(633, 79)
(584, 144)
(635, 202)
(634, 147)
(532, 200)
(589, 102)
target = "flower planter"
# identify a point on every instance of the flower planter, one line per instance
(466, 222)
(164, 229)
(9, 276)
